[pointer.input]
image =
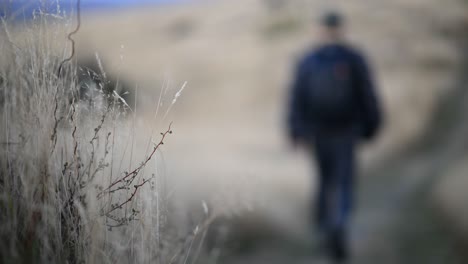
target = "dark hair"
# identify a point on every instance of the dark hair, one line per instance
(332, 19)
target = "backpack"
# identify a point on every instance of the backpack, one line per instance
(330, 95)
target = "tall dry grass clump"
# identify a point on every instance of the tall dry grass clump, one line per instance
(71, 187)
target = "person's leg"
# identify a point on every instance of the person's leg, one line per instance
(346, 167)
(322, 201)
(343, 173)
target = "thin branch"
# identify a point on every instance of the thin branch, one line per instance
(142, 165)
(136, 187)
(78, 25)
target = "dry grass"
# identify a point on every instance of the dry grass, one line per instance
(76, 183)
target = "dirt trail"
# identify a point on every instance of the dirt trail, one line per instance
(396, 221)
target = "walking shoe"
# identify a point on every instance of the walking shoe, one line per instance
(338, 247)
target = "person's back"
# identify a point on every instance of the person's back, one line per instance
(333, 92)
(333, 106)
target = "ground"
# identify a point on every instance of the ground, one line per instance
(396, 220)
(228, 146)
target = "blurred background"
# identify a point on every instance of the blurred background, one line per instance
(230, 148)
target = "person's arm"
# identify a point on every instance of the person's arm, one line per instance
(296, 121)
(369, 103)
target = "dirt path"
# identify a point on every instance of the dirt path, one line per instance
(395, 222)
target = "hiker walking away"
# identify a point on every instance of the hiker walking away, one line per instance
(333, 107)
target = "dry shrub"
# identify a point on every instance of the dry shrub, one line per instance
(70, 189)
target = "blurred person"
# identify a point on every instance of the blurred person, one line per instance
(333, 107)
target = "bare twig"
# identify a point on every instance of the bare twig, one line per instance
(53, 137)
(134, 173)
(135, 190)
(78, 25)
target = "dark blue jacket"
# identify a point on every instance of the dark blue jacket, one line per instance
(365, 115)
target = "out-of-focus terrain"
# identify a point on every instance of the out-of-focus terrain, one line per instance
(229, 147)
(237, 59)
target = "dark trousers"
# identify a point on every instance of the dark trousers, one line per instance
(335, 155)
